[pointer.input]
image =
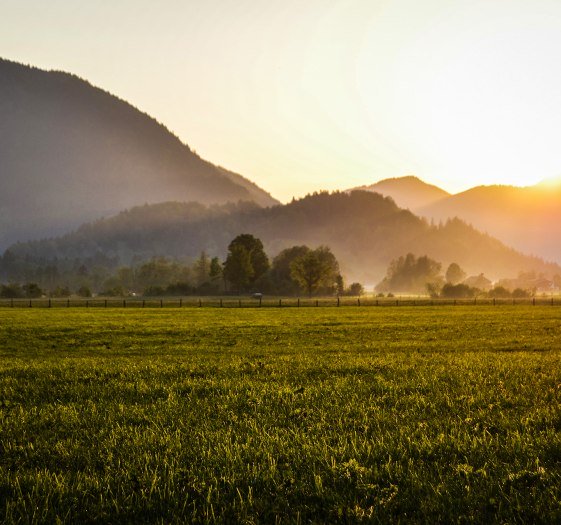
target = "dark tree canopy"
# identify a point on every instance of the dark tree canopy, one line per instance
(238, 269)
(316, 268)
(246, 261)
(281, 269)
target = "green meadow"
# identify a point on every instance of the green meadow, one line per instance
(314, 415)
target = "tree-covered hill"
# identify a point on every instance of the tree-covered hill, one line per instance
(71, 153)
(365, 231)
(526, 218)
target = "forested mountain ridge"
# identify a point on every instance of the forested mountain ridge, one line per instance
(365, 231)
(527, 218)
(71, 152)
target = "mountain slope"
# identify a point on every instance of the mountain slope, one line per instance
(365, 231)
(70, 153)
(527, 218)
(408, 192)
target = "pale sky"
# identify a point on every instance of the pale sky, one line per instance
(307, 95)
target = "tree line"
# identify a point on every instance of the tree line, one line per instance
(246, 268)
(422, 275)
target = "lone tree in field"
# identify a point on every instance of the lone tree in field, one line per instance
(454, 274)
(246, 261)
(315, 269)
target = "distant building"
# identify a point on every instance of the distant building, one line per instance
(543, 286)
(531, 284)
(480, 282)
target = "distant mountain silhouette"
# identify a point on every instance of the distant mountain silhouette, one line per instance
(528, 219)
(71, 152)
(408, 192)
(365, 231)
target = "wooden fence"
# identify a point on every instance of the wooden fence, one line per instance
(248, 302)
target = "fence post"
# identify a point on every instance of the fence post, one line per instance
(260, 300)
(161, 303)
(30, 303)
(239, 303)
(280, 303)
(105, 303)
(338, 301)
(298, 303)
(49, 302)
(200, 303)
(533, 301)
(397, 302)
(358, 301)
(67, 303)
(494, 301)
(317, 302)
(221, 303)
(180, 302)
(124, 303)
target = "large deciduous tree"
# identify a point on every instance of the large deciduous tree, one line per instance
(314, 269)
(246, 261)
(281, 269)
(454, 274)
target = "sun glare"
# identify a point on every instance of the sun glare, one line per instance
(481, 109)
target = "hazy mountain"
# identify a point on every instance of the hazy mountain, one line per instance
(70, 153)
(527, 218)
(365, 231)
(408, 192)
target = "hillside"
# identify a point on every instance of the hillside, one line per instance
(71, 153)
(528, 219)
(365, 231)
(408, 192)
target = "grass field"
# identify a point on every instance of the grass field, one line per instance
(444, 414)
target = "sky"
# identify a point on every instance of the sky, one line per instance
(323, 94)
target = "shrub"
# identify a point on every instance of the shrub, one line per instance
(457, 291)
(355, 289)
(154, 291)
(500, 292)
(11, 291)
(84, 291)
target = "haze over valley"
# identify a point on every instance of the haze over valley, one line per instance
(72, 153)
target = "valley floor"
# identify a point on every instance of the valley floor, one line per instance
(312, 415)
